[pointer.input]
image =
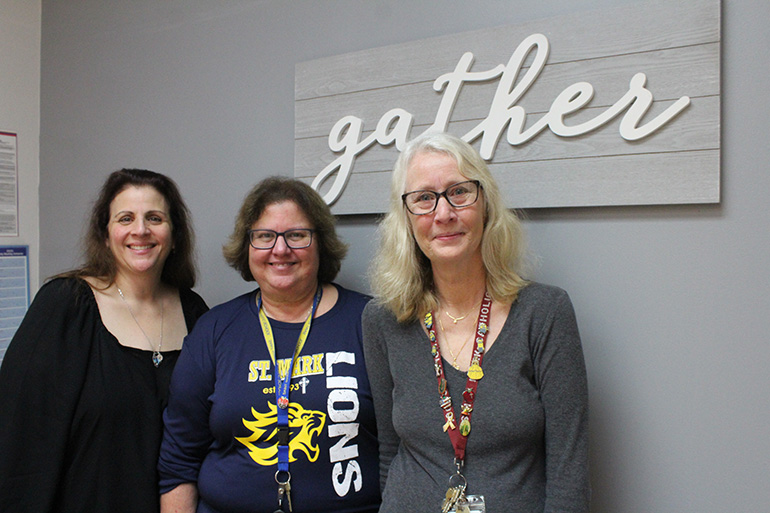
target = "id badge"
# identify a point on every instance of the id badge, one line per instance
(470, 503)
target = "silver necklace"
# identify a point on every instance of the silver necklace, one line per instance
(156, 356)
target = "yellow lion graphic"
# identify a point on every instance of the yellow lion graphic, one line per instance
(304, 425)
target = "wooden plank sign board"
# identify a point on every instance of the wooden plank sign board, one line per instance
(613, 107)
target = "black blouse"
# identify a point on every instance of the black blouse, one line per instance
(81, 414)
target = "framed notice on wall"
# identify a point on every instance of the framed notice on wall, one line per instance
(9, 185)
(14, 291)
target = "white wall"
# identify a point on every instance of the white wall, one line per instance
(672, 301)
(20, 113)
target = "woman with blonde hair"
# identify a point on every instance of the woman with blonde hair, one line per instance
(505, 431)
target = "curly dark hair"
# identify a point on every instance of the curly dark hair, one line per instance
(179, 269)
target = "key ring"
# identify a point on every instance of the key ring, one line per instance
(458, 480)
(288, 477)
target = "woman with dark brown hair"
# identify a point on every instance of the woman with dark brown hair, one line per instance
(85, 378)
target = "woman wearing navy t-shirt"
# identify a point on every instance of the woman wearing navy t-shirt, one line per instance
(270, 406)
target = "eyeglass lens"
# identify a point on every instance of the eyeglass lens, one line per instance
(295, 239)
(459, 195)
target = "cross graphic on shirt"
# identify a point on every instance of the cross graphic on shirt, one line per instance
(304, 383)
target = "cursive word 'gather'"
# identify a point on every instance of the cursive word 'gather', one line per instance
(395, 125)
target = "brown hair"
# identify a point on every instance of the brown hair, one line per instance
(275, 189)
(179, 269)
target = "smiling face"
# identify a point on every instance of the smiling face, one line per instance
(284, 274)
(139, 231)
(448, 235)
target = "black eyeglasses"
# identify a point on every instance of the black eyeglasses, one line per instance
(459, 195)
(295, 239)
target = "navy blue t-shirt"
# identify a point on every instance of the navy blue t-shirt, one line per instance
(220, 424)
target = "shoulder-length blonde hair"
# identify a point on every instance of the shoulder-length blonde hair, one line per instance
(401, 274)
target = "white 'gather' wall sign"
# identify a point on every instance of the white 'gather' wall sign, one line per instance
(614, 107)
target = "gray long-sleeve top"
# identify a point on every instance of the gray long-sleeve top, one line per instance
(528, 447)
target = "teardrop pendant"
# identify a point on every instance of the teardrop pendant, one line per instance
(156, 358)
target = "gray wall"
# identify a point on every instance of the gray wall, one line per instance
(672, 301)
(20, 114)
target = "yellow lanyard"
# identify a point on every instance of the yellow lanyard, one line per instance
(267, 332)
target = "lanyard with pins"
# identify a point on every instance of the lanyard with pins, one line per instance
(459, 435)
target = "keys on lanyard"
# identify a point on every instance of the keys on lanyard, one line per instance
(456, 501)
(455, 494)
(282, 387)
(284, 490)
